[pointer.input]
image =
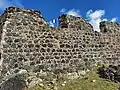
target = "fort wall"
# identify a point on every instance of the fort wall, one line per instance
(29, 43)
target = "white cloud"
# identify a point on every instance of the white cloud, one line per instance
(104, 19)
(114, 19)
(6, 3)
(51, 24)
(97, 14)
(72, 12)
(63, 10)
(95, 18)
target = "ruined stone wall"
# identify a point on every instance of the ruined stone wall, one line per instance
(69, 21)
(103, 46)
(29, 43)
(110, 38)
(21, 32)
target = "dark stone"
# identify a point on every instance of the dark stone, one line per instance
(50, 45)
(15, 83)
(111, 73)
(38, 68)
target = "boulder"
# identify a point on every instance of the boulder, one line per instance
(13, 83)
(111, 73)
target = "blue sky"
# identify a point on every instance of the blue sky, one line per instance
(91, 9)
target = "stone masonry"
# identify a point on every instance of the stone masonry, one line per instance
(29, 43)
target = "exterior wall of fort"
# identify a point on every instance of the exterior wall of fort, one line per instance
(28, 42)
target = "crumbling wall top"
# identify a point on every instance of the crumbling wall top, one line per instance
(34, 13)
(15, 9)
(69, 21)
(109, 27)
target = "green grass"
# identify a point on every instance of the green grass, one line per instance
(36, 87)
(88, 84)
(85, 83)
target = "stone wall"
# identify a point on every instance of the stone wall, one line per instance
(29, 43)
(110, 38)
(69, 21)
